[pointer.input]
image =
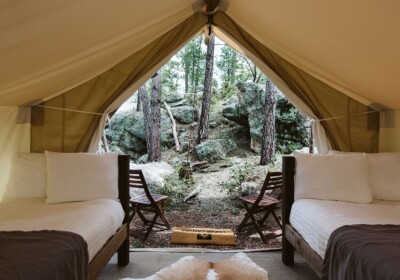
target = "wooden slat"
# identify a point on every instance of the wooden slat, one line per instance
(135, 179)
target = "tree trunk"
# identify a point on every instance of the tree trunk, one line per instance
(155, 153)
(311, 141)
(233, 71)
(174, 132)
(186, 80)
(268, 141)
(105, 142)
(139, 103)
(205, 109)
(146, 116)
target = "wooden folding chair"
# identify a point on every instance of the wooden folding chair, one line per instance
(261, 203)
(147, 202)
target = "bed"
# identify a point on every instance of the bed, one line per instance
(318, 228)
(88, 232)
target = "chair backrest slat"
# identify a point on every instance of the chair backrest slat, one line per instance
(272, 181)
(136, 180)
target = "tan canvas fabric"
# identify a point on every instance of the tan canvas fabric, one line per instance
(71, 131)
(350, 130)
(346, 122)
(48, 47)
(14, 138)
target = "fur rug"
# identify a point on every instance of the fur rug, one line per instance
(238, 267)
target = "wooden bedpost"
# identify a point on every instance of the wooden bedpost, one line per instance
(123, 187)
(288, 169)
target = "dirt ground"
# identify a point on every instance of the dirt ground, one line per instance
(213, 207)
(248, 238)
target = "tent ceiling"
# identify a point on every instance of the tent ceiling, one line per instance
(47, 47)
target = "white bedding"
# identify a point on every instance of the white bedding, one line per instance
(95, 220)
(315, 220)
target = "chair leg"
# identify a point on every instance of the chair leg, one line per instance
(244, 221)
(277, 219)
(265, 217)
(161, 214)
(142, 217)
(130, 218)
(165, 221)
(150, 226)
(258, 228)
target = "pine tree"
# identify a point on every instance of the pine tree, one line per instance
(268, 139)
(202, 133)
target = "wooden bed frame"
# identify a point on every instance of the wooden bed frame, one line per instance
(120, 241)
(291, 239)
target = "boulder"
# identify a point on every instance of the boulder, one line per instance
(215, 150)
(126, 131)
(247, 108)
(183, 141)
(183, 102)
(235, 111)
(254, 102)
(137, 129)
(185, 114)
(248, 187)
(154, 172)
(173, 97)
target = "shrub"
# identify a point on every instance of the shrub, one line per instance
(176, 189)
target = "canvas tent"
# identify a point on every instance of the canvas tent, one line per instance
(64, 65)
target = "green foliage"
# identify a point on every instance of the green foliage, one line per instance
(239, 175)
(235, 68)
(291, 127)
(228, 90)
(228, 64)
(242, 173)
(177, 189)
(170, 77)
(250, 72)
(189, 63)
(192, 59)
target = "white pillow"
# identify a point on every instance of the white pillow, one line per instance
(331, 177)
(27, 177)
(384, 174)
(384, 171)
(81, 176)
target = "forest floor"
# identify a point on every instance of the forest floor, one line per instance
(216, 205)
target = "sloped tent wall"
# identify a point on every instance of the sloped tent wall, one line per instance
(71, 131)
(14, 137)
(350, 127)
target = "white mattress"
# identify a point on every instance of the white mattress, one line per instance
(315, 220)
(95, 220)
